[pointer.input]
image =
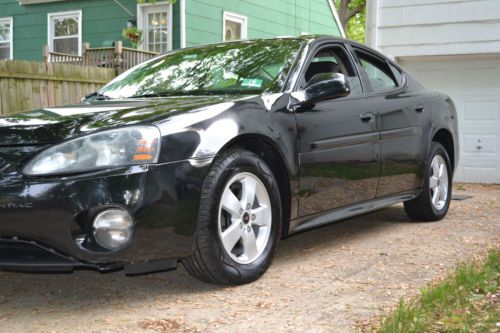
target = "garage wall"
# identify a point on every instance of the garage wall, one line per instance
(433, 27)
(473, 84)
(452, 46)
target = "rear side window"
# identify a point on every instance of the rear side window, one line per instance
(378, 72)
(397, 74)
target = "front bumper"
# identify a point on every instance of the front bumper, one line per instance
(55, 214)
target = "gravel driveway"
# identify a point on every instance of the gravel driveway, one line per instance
(321, 280)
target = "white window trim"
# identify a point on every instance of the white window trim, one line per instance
(140, 14)
(10, 20)
(72, 13)
(237, 18)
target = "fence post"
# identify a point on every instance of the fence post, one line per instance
(85, 48)
(118, 55)
(45, 54)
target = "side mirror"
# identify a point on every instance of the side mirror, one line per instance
(325, 86)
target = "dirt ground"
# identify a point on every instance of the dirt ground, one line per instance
(324, 280)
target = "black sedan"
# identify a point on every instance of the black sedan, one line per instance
(210, 155)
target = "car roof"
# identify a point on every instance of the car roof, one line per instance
(305, 38)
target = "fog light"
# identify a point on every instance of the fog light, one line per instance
(113, 228)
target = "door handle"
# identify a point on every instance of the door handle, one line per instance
(419, 108)
(367, 117)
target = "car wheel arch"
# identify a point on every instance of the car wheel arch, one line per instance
(267, 149)
(445, 138)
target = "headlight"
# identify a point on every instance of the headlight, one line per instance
(118, 147)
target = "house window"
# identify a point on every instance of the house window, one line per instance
(6, 49)
(155, 21)
(65, 32)
(234, 27)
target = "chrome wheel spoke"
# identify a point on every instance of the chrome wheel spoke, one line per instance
(438, 182)
(262, 215)
(433, 182)
(231, 236)
(443, 191)
(249, 244)
(248, 192)
(435, 168)
(435, 196)
(441, 171)
(231, 204)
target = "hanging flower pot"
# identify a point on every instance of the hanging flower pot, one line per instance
(133, 35)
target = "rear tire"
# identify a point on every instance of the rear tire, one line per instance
(433, 203)
(239, 220)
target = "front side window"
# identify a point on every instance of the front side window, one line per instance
(333, 60)
(6, 50)
(378, 72)
(65, 35)
(234, 68)
(235, 27)
(156, 25)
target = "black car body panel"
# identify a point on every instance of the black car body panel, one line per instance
(335, 165)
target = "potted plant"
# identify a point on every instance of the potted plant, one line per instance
(133, 35)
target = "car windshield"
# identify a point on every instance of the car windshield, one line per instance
(237, 67)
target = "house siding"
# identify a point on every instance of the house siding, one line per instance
(102, 20)
(265, 18)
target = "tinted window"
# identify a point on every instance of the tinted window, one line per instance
(334, 60)
(378, 72)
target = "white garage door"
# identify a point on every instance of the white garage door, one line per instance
(473, 82)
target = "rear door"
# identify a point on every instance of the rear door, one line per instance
(338, 139)
(402, 116)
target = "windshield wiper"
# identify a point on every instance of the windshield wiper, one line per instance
(164, 94)
(150, 95)
(193, 93)
(97, 96)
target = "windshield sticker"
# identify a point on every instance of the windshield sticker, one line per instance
(190, 56)
(252, 83)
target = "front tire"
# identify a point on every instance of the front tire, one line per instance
(433, 203)
(239, 221)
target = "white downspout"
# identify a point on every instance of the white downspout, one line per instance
(372, 20)
(183, 23)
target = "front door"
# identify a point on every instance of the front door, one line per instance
(338, 141)
(156, 25)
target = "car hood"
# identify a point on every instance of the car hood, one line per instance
(51, 125)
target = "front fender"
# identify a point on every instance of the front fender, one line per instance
(204, 132)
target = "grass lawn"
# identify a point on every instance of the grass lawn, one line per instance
(467, 301)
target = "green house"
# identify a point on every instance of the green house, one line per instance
(64, 25)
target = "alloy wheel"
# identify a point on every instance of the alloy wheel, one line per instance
(438, 182)
(245, 218)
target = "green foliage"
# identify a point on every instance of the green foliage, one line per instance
(352, 15)
(464, 302)
(356, 27)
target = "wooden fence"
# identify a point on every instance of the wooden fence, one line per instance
(117, 57)
(27, 85)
